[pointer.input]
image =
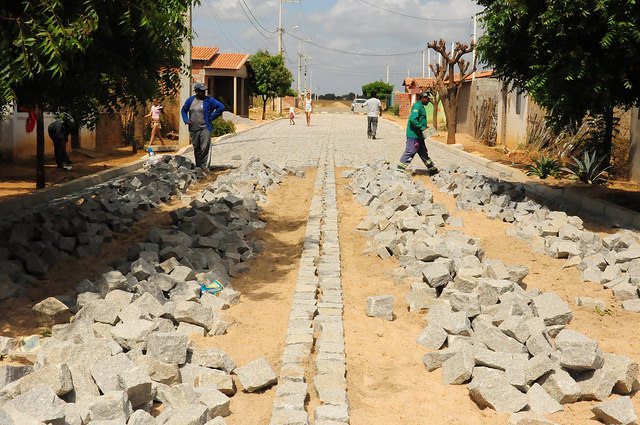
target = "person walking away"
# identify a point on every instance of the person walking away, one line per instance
(308, 108)
(292, 115)
(416, 126)
(375, 110)
(198, 112)
(59, 132)
(155, 121)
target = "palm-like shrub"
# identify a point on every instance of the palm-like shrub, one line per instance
(544, 167)
(590, 170)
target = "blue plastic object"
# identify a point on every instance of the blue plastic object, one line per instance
(151, 152)
(217, 287)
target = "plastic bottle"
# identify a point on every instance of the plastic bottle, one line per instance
(151, 152)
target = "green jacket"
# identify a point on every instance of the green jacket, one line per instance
(417, 121)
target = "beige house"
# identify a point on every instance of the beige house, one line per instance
(16, 143)
(226, 76)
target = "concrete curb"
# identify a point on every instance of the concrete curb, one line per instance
(605, 211)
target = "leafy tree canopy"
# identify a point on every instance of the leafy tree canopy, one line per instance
(270, 77)
(85, 56)
(574, 57)
(382, 89)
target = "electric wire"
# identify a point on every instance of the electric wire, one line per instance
(412, 16)
(223, 28)
(256, 19)
(237, 3)
(353, 53)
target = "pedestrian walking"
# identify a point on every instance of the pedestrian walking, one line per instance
(198, 112)
(292, 116)
(308, 108)
(375, 110)
(156, 108)
(59, 132)
(416, 126)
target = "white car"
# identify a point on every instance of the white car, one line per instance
(357, 106)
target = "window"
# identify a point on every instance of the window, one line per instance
(518, 101)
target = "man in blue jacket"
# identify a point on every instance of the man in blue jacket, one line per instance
(198, 112)
(416, 126)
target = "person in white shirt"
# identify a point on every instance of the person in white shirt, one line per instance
(292, 115)
(156, 109)
(308, 108)
(375, 110)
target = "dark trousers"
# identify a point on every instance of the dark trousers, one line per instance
(201, 141)
(415, 146)
(372, 126)
(60, 152)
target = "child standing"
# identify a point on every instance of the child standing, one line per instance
(291, 116)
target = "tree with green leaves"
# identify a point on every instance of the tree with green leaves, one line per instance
(447, 84)
(86, 57)
(382, 89)
(270, 78)
(574, 58)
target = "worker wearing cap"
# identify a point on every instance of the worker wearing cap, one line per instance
(198, 112)
(416, 126)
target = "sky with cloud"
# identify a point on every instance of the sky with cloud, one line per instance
(350, 42)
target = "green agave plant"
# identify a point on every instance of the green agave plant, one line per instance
(590, 170)
(544, 167)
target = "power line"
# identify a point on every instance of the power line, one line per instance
(256, 19)
(237, 3)
(411, 16)
(225, 32)
(354, 53)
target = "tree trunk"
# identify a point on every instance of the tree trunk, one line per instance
(40, 180)
(75, 135)
(608, 136)
(264, 107)
(435, 116)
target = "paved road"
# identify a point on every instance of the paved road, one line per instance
(300, 145)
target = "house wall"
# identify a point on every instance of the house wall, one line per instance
(16, 143)
(634, 145)
(512, 121)
(404, 102)
(472, 95)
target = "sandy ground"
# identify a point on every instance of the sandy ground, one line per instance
(614, 332)
(387, 381)
(16, 318)
(261, 318)
(19, 178)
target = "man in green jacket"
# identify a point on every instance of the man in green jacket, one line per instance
(416, 125)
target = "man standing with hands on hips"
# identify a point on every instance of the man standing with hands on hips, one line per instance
(198, 112)
(417, 129)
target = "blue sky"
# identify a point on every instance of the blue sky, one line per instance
(337, 29)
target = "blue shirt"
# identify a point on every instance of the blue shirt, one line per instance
(212, 110)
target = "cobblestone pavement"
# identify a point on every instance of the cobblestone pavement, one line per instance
(301, 145)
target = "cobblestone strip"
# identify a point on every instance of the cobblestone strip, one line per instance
(291, 393)
(330, 382)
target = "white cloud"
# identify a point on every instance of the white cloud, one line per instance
(352, 26)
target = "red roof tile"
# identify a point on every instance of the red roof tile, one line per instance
(199, 53)
(228, 61)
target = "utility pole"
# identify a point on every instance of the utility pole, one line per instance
(475, 30)
(408, 73)
(185, 82)
(387, 73)
(429, 60)
(423, 64)
(299, 63)
(311, 77)
(280, 46)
